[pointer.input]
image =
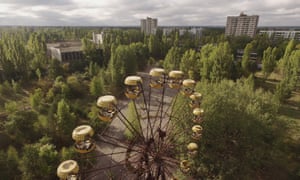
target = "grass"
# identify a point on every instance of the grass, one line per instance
(290, 111)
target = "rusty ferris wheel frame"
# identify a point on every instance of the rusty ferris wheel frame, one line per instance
(154, 152)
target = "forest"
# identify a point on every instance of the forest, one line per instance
(252, 120)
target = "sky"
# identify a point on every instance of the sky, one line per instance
(129, 12)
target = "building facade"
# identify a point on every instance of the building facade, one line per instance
(65, 52)
(282, 33)
(196, 31)
(98, 38)
(241, 25)
(149, 25)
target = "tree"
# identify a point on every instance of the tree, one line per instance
(15, 57)
(269, 61)
(76, 85)
(20, 125)
(216, 62)
(260, 43)
(205, 62)
(289, 48)
(246, 64)
(38, 50)
(55, 69)
(240, 125)
(172, 59)
(190, 64)
(9, 162)
(36, 99)
(123, 62)
(289, 67)
(142, 53)
(67, 153)
(222, 62)
(66, 120)
(39, 161)
(92, 53)
(94, 121)
(238, 42)
(93, 69)
(154, 46)
(97, 86)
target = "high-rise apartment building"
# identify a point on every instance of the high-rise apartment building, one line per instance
(241, 25)
(149, 25)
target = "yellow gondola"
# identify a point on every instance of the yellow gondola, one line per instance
(133, 86)
(197, 132)
(198, 115)
(157, 77)
(195, 100)
(175, 79)
(68, 170)
(192, 149)
(107, 107)
(185, 166)
(83, 139)
(188, 86)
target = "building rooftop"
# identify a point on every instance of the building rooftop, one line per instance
(66, 46)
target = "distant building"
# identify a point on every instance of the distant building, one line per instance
(282, 33)
(65, 51)
(241, 25)
(149, 26)
(197, 31)
(240, 54)
(98, 38)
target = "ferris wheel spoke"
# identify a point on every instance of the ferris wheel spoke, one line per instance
(118, 145)
(166, 171)
(103, 169)
(129, 125)
(173, 101)
(138, 117)
(99, 156)
(117, 142)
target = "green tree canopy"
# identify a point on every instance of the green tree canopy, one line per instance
(20, 125)
(241, 132)
(190, 64)
(9, 163)
(269, 61)
(39, 161)
(172, 59)
(123, 62)
(66, 120)
(216, 62)
(246, 61)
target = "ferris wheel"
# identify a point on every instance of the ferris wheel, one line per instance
(154, 149)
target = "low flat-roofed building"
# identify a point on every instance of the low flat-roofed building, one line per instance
(65, 51)
(197, 31)
(286, 34)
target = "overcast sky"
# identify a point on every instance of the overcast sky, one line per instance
(129, 12)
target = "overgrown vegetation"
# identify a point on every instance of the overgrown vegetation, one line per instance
(247, 130)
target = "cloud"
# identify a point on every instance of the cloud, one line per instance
(129, 12)
(37, 2)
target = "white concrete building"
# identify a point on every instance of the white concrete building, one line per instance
(98, 38)
(286, 34)
(65, 51)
